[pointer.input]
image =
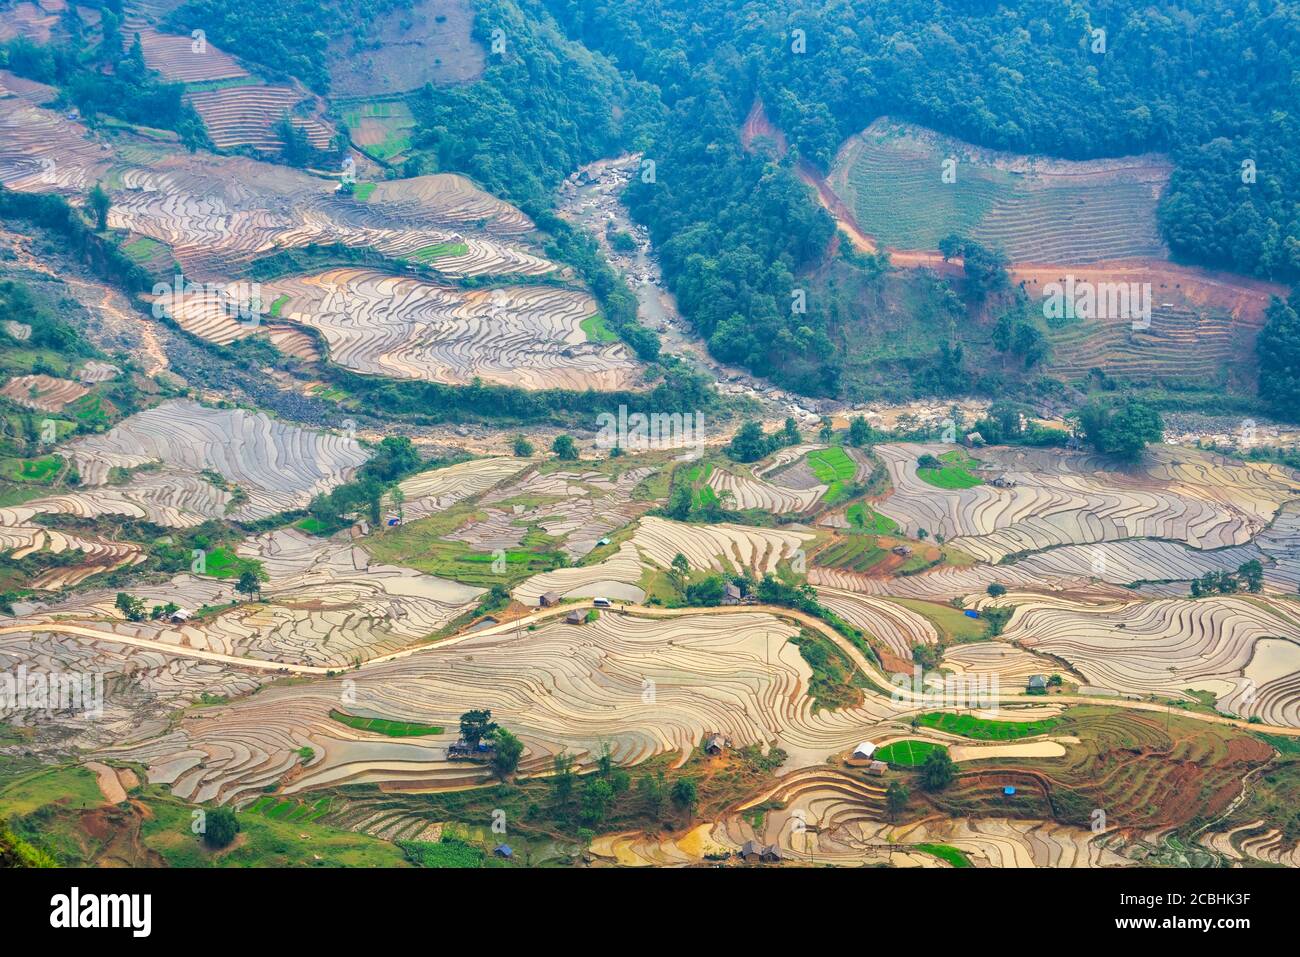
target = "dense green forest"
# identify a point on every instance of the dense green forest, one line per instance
(1210, 83)
(543, 107)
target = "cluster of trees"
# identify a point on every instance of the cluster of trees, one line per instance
(1249, 575)
(1009, 423)
(681, 390)
(1121, 427)
(296, 148)
(477, 726)
(394, 459)
(985, 269)
(48, 331)
(751, 443)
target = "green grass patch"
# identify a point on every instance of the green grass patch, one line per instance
(278, 305)
(907, 753)
(856, 553)
(449, 852)
(834, 467)
(362, 192)
(38, 471)
(143, 249)
(312, 526)
(222, 562)
(953, 624)
(596, 329)
(393, 729)
(422, 545)
(984, 729)
(946, 852)
(439, 251)
(953, 474)
(862, 517)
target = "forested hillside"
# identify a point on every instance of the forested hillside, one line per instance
(1210, 83)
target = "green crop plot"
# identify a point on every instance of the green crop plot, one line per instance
(907, 753)
(983, 729)
(393, 729)
(954, 473)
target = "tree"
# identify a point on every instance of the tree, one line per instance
(399, 499)
(749, 444)
(708, 591)
(564, 448)
(859, 431)
(1122, 428)
(827, 431)
(523, 448)
(896, 797)
(1252, 575)
(249, 584)
(563, 778)
(475, 726)
(679, 571)
(686, 794)
(130, 606)
(597, 798)
(938, 770)
(789, 434)
(506, 752)
(100, 203)
(653, 789)
(996, 589)
(220, 827)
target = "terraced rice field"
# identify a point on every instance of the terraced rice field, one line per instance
(41, 151)
(1243, 651)
(176, 58)
(218, 213)
(247, 115)
(440, 489)
(1035, 210)
(42, 392)
(1182, 343)
(747, 492)
(382, 128)
(897, 628)
(1063, 498)
(616, 578)
(529, 336)
(99, 555)
(280, 467)
(557, 687)
(722, 547)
